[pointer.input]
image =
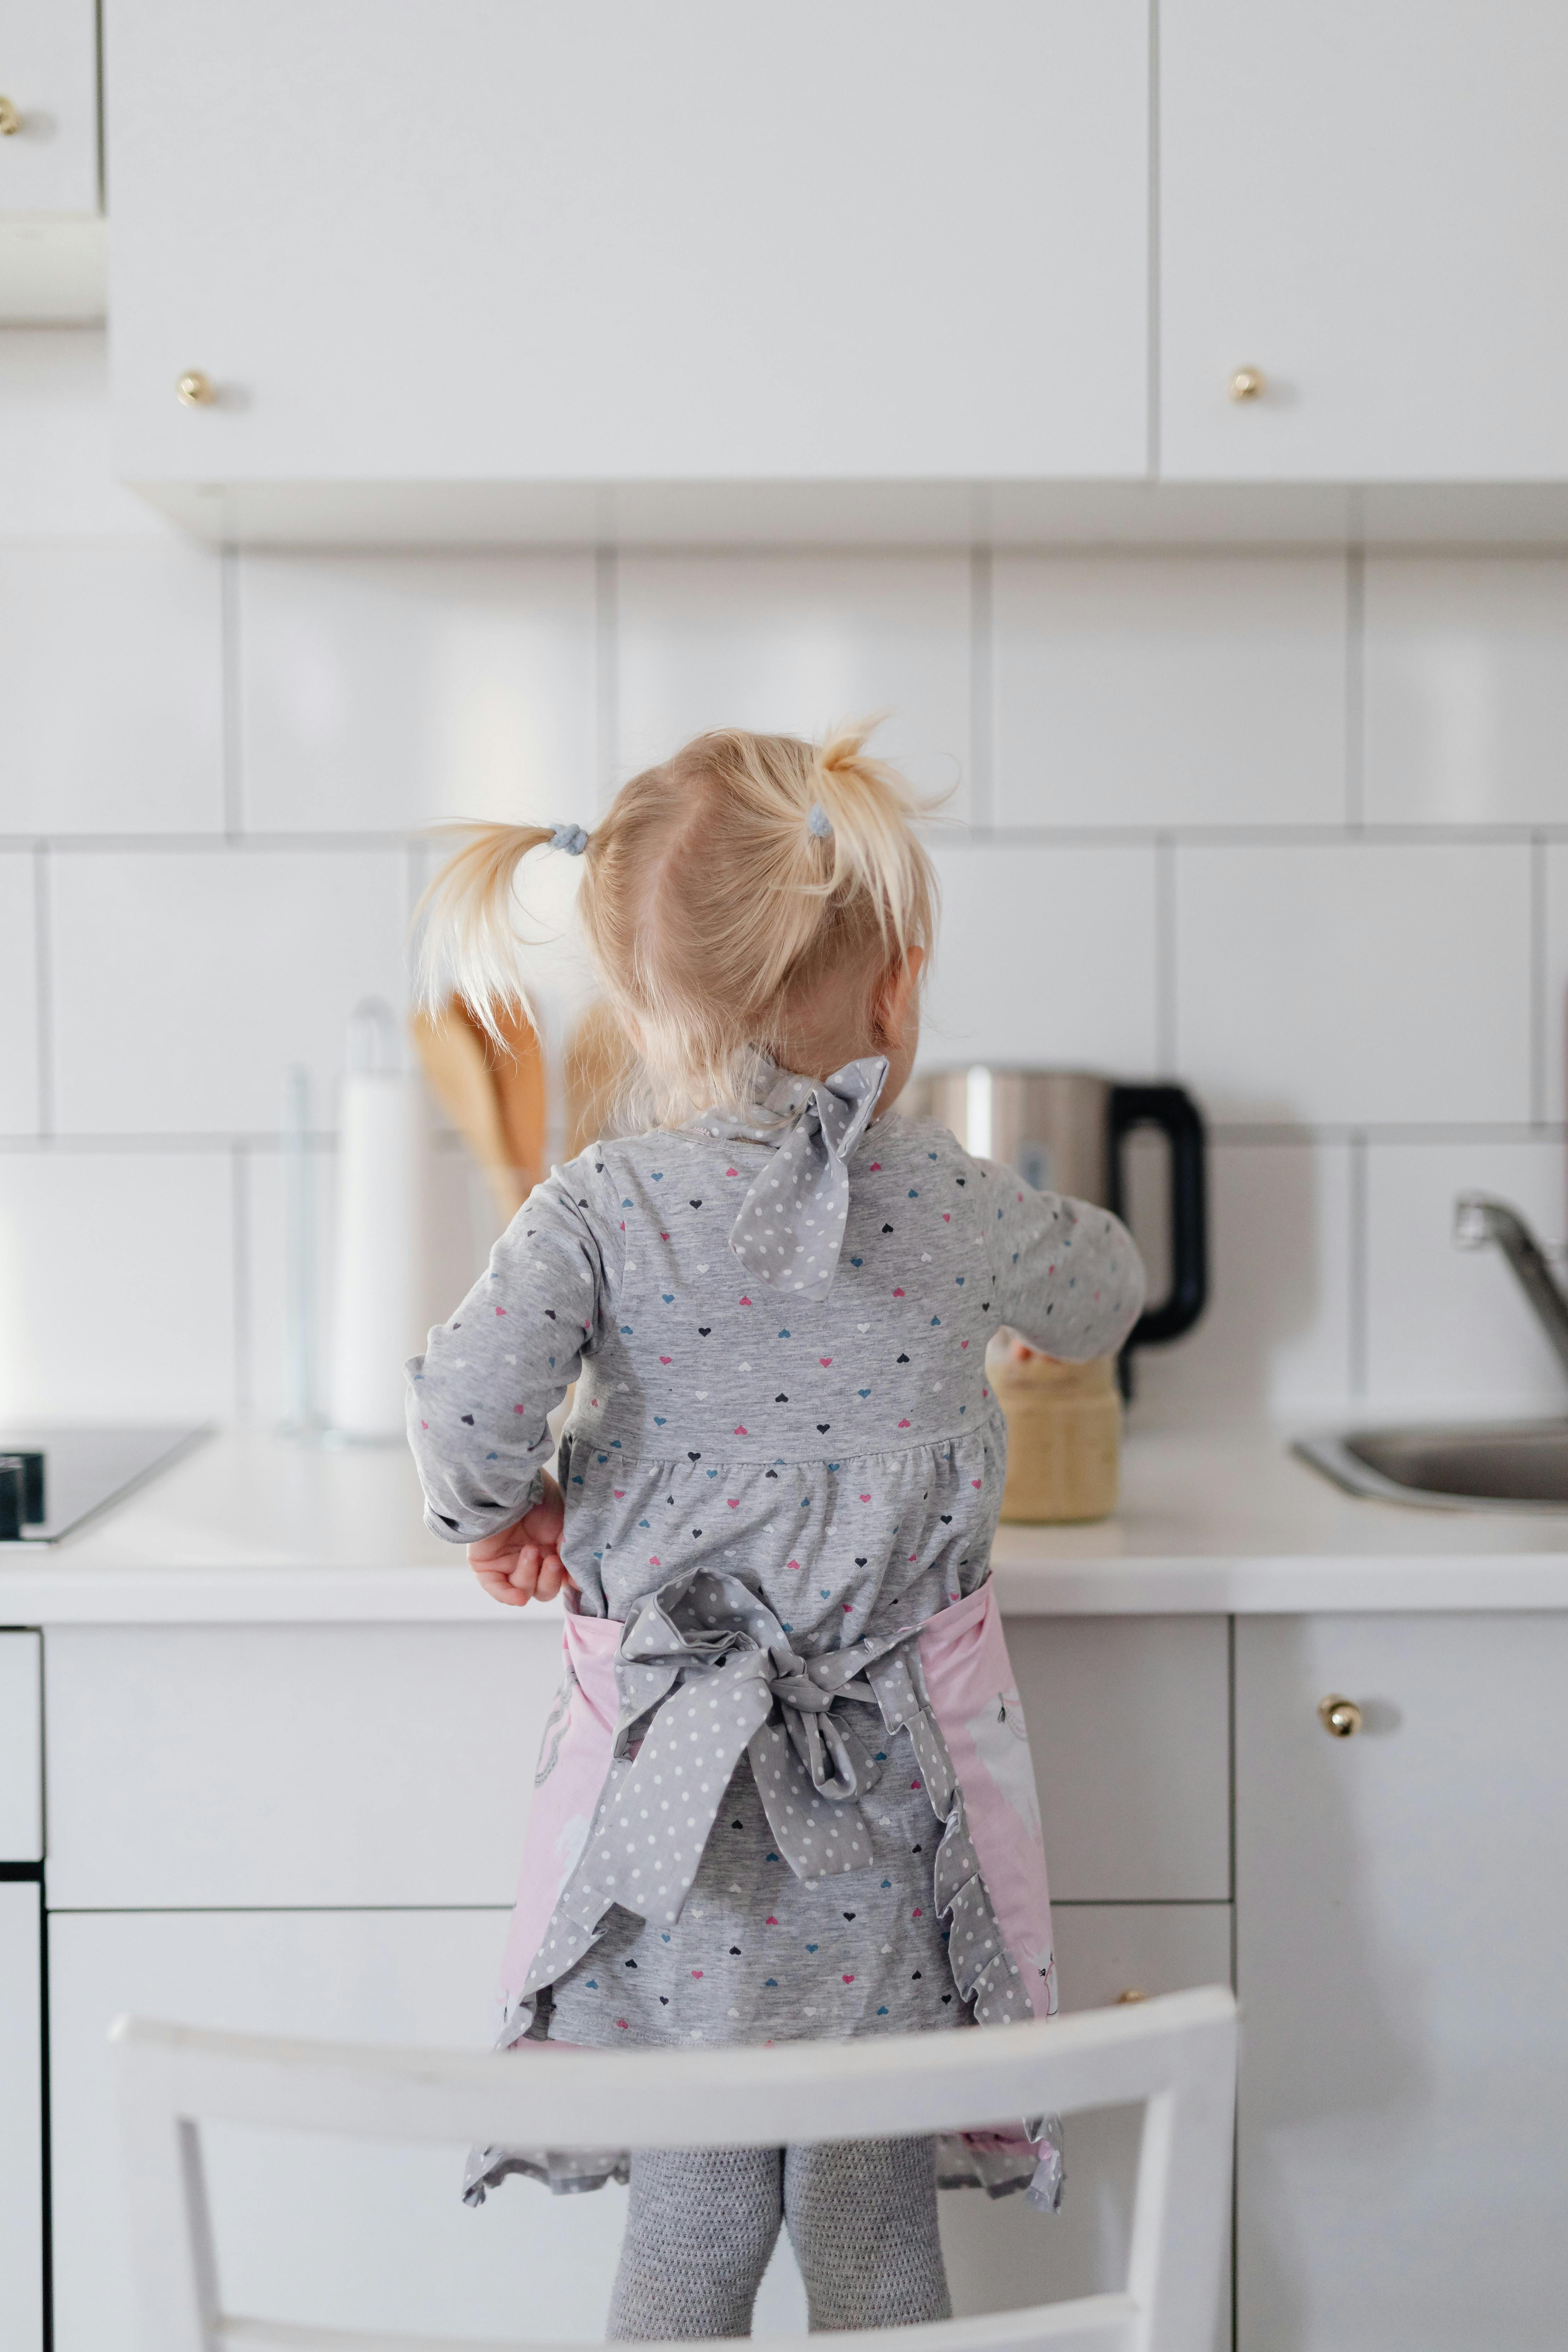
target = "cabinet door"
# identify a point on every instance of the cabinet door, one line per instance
(48, 70)
(1369, 202)
(1401, 1913)
(21, 1749)
(1003, 2255)
(21, 2121)
(517, 240)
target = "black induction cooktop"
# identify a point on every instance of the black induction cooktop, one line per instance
(52, 1479)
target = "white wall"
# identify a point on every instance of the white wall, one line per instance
(1293, 827)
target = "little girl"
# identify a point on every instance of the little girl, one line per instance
(786, 1790)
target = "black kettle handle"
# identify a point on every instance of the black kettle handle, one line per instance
(1172, 1110)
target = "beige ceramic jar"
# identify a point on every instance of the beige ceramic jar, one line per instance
(1064, 1434)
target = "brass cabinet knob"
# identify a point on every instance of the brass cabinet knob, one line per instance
(195, 389)
(10, 117)
(1248, 383)
(1340, 1717)
(1132, 1993)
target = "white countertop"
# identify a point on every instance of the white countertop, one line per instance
(250, 1529)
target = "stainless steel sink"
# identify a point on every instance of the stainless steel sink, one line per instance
(1520, 1465)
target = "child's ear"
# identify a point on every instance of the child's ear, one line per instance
(894, 997)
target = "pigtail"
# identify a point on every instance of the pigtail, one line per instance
(468, 942)
(874, 859)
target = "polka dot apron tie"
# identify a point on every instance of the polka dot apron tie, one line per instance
(709, 1660)
(790, 1227)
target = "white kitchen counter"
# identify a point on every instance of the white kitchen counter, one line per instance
(250, 1528)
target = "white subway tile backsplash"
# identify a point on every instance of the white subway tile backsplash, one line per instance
(1045, 957)
(1466, 689)
(792, 645)
(1276, 1338)
(1356, 982)
(463, 1225)
(1170, 690)
(379, 692)
(1445, 1326)
(19, 1105)
(185, 981)
(1334, 982)
(111, 682)
(116, 1285)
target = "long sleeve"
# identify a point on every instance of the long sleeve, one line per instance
(481, 1396)
(1068, 1275)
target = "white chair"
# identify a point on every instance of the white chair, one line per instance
(1175, 2056)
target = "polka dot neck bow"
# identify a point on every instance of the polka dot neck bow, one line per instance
(790, 1228)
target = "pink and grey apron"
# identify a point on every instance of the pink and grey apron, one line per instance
(663, 1708)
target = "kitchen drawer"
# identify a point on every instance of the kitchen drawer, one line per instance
(192, 1766)
(1129, 1728)
(1003, 2255)
(21, 1749)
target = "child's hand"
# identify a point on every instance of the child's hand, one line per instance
(521, 1563)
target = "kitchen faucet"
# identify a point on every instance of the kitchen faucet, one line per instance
(1478, 1220)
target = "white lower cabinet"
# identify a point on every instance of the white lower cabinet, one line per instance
(1402, 1917)
(347, 2234)
(1003, 2255)
(21, 2120)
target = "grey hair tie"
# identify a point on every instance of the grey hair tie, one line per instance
(571, 838)
(790, 1228)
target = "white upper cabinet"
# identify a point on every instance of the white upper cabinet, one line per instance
(1367, 201)
(890, 240)
(48, 106)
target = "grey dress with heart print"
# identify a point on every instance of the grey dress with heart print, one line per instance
(777, 1325)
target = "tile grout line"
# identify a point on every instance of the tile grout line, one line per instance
(606, 672)
(1356, 688)
(1262, 1135)
(1153, 320)
(43, 982)
(1023, 836)
(1539, 1024)
(981, 692)
(1358, 1263)
(233, 773)
(1165, 954)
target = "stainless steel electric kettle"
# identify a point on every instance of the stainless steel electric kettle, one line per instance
(1066, 1131)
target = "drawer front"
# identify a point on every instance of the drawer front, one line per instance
(1130, 1729)
(193, 1765)
(1003, 2256)
(347, 1764)
(21, 1748)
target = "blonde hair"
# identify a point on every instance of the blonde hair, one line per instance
(718, 892)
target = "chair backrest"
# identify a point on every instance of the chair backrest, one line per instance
(1175, 2056)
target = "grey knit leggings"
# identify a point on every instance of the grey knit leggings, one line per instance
(861, 2216)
